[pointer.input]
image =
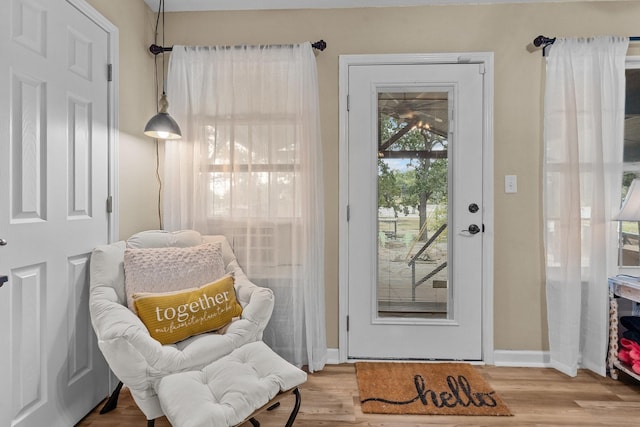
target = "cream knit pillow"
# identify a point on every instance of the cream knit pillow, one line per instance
(171, 269)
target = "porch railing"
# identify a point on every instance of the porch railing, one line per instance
(412, 263)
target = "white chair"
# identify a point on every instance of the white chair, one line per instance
(138, 360)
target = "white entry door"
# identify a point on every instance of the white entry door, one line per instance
(54, 175)
(415, 198)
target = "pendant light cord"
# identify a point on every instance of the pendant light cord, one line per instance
(155, 59)
(164, 82)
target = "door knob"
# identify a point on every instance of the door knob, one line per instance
(3, 242)
(473, 229)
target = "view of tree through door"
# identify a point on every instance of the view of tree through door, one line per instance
(412, 203)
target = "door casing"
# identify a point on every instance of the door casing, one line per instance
(483, 58)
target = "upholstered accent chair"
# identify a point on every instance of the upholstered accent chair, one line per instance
(140, 361)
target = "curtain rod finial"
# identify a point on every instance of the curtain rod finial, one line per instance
(320, 45)
(542, 40)
(156, 50)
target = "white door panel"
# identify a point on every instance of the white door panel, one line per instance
(454, 332)
(54, 177)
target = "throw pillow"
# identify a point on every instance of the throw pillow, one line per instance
(171, 268)
(174, 316)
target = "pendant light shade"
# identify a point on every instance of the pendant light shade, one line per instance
(162, 125)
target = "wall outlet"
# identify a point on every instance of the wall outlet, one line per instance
(510, 183)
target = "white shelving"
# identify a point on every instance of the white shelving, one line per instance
(628, 288)
(625, 368)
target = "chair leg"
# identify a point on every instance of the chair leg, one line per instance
(151, 423)
(254, 422)
(274, 406)
(296, 408)
(112, 402)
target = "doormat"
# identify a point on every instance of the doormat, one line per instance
(426, 388)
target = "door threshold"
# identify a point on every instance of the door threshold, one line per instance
(414, 360)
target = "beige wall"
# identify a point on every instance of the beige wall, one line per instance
(505, 29)
(138, 186)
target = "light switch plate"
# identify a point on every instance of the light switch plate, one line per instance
(510, 183)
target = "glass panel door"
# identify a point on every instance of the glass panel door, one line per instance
(413, 169)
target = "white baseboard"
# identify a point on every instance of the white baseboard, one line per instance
(521, 359)
(513, 358)
(333, 356)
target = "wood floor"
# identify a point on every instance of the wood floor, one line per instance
(536, 397)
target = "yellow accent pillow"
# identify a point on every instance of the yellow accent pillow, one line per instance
(174, 316)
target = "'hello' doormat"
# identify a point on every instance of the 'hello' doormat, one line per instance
(426, 388)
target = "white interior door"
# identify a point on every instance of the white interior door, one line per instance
(415, 149)
(54, 175)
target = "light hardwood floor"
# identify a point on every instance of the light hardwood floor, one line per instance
(536, 397)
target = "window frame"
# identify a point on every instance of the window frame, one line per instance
(632, 62)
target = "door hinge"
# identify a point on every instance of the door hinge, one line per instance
(347, 323)
(348, 213)
(348, 103)
(481, 68)
(109, 204)
(109, 72)
(483, 228)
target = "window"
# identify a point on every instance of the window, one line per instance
(252, 170)
(629, 253)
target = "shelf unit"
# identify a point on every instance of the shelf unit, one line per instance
(628, 288)
(624, 368)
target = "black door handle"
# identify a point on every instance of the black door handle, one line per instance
(3, 280)
(473, 229)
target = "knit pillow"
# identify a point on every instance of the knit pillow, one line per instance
(174, 316)
(170, 269)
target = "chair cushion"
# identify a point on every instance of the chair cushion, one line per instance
(106, 269)
(168, 269)
(163, 239)
(174, 316)
(228, 390)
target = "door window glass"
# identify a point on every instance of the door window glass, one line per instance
(412, 208)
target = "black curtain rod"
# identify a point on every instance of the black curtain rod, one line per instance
(545, 42)
(155, 49)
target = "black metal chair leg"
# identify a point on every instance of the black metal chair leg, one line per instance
(151, 423)
(254, 422)
(112, 402)
(274, 406)
(296, 408)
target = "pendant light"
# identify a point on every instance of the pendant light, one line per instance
(162, 125)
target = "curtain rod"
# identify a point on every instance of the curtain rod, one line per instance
(545, 42)
(155, 49)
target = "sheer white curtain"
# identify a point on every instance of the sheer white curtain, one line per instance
(249, 166)
(583, 139)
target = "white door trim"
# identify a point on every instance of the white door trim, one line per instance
(113, 131)
(485, 58)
